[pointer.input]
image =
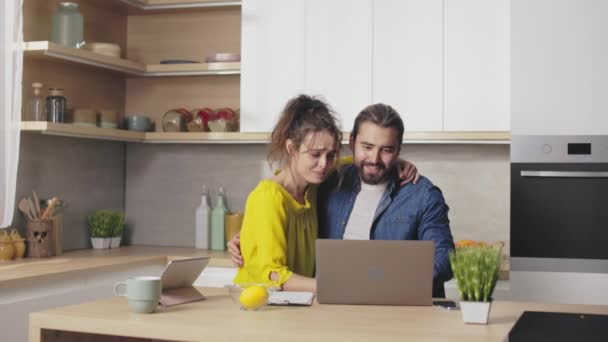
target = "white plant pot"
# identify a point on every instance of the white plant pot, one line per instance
(475, 312)
(101, 243)
(115, 242)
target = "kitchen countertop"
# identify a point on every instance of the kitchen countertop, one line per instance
(88, 259)
(219, 318)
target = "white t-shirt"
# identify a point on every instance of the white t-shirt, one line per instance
(362, 216)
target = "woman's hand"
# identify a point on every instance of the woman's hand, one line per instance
(407, 172)
(234, 247)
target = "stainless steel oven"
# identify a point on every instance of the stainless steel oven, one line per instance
(559, 207)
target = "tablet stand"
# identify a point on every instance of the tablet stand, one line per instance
(180, 295)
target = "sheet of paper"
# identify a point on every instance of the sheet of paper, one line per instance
(290, 298)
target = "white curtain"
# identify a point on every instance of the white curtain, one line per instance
(11, 70)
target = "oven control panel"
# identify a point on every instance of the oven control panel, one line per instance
(559, 149)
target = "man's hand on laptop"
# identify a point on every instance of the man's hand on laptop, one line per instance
(234, 247)
(407, 172)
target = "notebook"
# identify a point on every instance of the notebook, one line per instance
(290, 298)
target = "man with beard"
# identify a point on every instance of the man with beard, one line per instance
(365, 201)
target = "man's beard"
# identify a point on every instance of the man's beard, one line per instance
(381, 176)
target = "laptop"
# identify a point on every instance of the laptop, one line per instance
(178, 279)
(374, 272)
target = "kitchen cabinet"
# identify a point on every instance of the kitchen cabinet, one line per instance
(273, 60)
(444, 65)
(305, 46)
(376, 51)
(476, 65)
(407, 61)
(559, 69)
(339, 55)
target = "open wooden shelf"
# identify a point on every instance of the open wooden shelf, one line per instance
(70, 130)
(157, 5)
(233, 68)
(206, 138)
(46, 49)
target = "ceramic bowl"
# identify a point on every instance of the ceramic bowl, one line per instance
(138, 123)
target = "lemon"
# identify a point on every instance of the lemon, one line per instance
(254, 297)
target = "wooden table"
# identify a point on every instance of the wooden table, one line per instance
(219, 319)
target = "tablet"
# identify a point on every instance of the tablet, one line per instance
(178, 278)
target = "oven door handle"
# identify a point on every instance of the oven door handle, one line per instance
(565, 174)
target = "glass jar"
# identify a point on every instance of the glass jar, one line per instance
(35, 106)
(67, 25)
(176, 120)
(56, 105)
(200, 120)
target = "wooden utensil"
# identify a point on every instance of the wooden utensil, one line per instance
(33, 209)
(37, 203)
(24, 206)
(50, 208)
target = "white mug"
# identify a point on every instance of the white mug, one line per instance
(143, 293)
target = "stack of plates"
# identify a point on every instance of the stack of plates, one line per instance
(223, 57)
(106, 49)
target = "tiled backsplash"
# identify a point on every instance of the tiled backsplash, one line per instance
(87, 174)
(159, 185)
(164, 184)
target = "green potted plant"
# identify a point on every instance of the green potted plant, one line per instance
(102, 226)
(476, 270)
(117, 230)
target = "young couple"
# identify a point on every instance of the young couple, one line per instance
(311, 197)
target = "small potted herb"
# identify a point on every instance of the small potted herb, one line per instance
(103, 225)
(118, 230)
(476, 270)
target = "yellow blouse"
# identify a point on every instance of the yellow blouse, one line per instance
(278, 234)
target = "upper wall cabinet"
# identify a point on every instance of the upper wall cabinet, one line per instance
(559, 67)
(476, 65)
(339, 55)
(407, 60)
(305, 46)
(273, 60)
(443, 64)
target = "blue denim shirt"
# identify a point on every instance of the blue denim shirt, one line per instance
(412, 212)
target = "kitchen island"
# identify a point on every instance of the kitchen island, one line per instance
(35, 284)
(218, 318)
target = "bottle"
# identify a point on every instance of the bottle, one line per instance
(67, 25)
(35, 106)
(202, 218)
(56, 105)
(218, 242)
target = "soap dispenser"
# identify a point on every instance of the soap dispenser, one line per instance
(218, 242)
(202, 220)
